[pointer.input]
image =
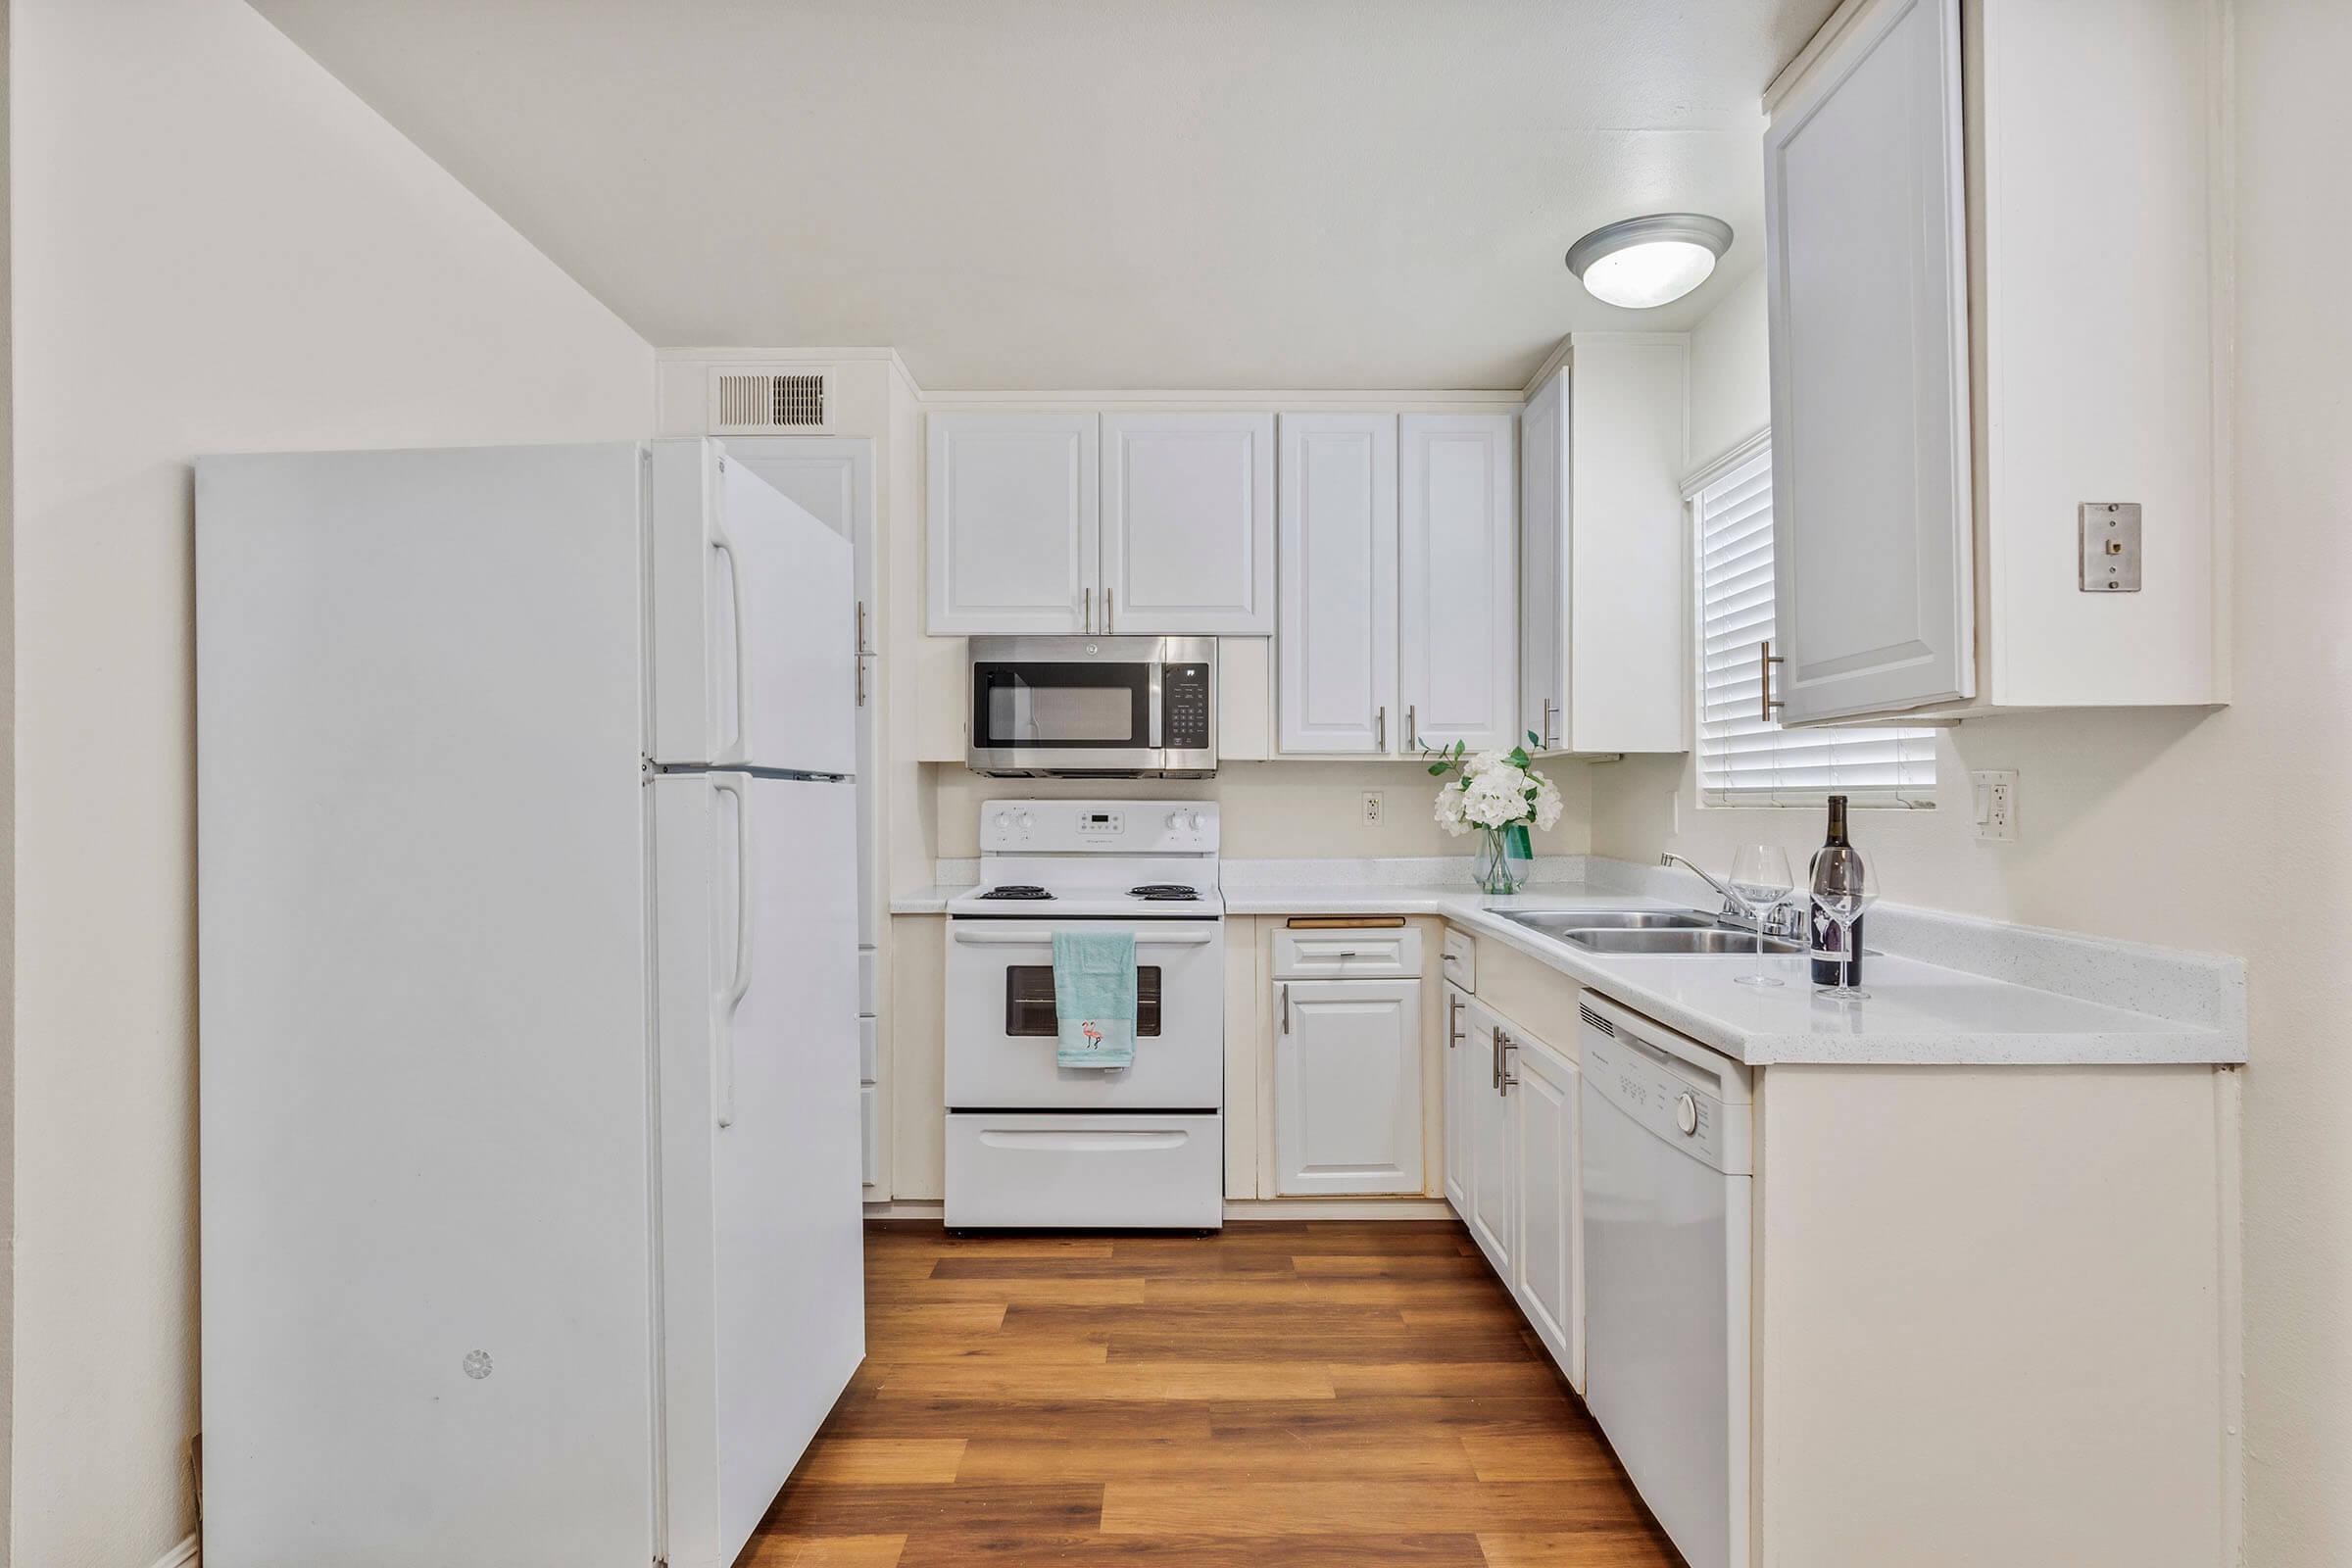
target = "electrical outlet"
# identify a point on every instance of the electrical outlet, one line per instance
(1996, 805)
(1371, 807)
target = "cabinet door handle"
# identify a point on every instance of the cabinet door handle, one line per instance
(1504, 1078)
(1085, 616)
(1764, 675)
(1380, 729)
(1550, 736)
(1453, 1022)
(1412, 728)
(1286, 1009)
(1107, 602)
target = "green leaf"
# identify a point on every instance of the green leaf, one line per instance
(1534, 740)
(1437, 770)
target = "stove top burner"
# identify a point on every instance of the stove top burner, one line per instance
(1018, 890)
(1165, 893)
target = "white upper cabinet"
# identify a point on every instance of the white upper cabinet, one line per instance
(1603, 643)
(1013, 523)
(1964, 401)
(1457, 580)
(1335, 642)
(1188, 525)
(1866, 284)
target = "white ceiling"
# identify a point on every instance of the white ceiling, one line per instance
(1095, 194)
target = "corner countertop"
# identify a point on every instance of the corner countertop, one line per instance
(1918, 1012)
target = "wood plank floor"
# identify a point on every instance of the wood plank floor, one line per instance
(1310, 1394)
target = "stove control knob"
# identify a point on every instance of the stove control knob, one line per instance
(1027, 821)
(1175, 821)
(1685, 1114)
(1004, 821)
(1193, 822)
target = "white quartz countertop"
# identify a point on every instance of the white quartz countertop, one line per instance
(1917, 1012)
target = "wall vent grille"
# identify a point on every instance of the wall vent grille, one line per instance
(751, 402)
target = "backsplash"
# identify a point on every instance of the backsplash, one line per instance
(1287, 809)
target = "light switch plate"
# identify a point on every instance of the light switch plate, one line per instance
(1996, 805)
(2110, 547)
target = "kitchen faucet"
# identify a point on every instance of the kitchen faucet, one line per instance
(1787, 919)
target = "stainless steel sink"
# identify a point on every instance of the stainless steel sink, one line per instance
(1714, 939)
(1558, 922)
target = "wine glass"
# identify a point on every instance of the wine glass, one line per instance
(1761, 881)
(1841, 887)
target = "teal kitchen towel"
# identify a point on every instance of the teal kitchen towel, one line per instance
(1093, 998)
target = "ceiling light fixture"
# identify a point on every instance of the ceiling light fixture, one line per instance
(1643, 262)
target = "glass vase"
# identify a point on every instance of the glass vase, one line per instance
(1503, 858)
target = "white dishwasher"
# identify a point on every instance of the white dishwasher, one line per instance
(1667, 1171)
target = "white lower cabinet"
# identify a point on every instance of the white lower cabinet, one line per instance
(1487, 1126)
(1348, 1086)
(1460, 1057)
(1546, 1262)
(1512, 1169)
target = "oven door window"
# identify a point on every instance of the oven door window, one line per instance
(1074, 707)
(1029, 1000)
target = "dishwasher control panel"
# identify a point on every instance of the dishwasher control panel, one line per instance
(1681, 1092)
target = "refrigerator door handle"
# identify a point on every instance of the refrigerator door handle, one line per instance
(739, 749)
(722, 1051)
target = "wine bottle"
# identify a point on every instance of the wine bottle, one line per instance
(1826, 941)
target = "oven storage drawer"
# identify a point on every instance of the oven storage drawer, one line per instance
(1124, 1172)
(1373, 953)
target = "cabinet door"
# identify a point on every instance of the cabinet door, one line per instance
(1188, 525)
(1459, 1056)
(1543, 562)
(1627, 579)
(1336, 689)
(1488, 1125)
(1348, 1086)
(1867, 305)
(1544, 1192)
(1013, 505)
(1458, 586)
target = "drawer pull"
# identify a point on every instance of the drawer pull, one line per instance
(1088, 1143)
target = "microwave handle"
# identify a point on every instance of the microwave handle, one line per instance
(1156, 731)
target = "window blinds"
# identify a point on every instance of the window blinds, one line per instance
(1745, 759)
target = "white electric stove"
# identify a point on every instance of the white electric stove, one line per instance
(1031, 1143)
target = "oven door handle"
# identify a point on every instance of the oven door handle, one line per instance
(1027, 939)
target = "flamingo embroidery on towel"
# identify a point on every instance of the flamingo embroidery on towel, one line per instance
(1094, 1036)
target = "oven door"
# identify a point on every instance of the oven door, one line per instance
(1001, 1022)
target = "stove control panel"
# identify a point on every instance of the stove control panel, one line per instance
(1098, 827)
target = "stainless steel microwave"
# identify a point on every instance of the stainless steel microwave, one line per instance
(1093, 706)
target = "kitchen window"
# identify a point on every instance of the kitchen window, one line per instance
(1744, 759)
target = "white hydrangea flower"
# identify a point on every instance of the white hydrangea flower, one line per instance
(1547, 800)
(1450, 810)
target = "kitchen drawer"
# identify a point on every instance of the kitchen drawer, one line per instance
(1459, 960)
(1124, 1171)
(1368, 952)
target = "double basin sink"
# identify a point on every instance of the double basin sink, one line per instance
(1665, 932)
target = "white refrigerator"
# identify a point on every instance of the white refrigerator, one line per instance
(528, 1065)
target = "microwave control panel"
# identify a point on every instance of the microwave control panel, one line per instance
(1184, 707)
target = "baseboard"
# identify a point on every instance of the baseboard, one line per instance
(187, 1554)
(1237, 1208)
(1249, 1209)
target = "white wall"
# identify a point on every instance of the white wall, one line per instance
(1728, 401)
(216, 247)
(2226, 831)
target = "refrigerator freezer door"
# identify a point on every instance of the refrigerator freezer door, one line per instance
(753, 622)
(763, 1275)
(424, 1126)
